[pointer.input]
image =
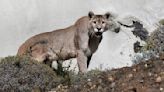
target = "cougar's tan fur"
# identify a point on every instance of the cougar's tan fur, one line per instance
(79, 41)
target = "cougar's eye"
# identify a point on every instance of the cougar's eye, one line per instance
(103, 22)
(94, 22)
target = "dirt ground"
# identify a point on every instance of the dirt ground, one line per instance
(146, 76)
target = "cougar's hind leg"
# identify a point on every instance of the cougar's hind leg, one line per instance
(48, 62)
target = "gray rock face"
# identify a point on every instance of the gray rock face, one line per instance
(154, 47)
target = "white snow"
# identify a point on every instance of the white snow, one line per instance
(21, 19)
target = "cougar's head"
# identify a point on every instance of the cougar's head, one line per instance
(101, 23)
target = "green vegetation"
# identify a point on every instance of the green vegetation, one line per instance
(23, 74)
(161, 21)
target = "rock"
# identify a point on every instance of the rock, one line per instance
(111, 79)
(146, 65)
(137, 47)
(113, 84)
(88, 79)
(149, 74)
(158, 79)
(134, 70)
(130, 75)
(141, 81)
(89, 84)
(94, 86)
(161, 89)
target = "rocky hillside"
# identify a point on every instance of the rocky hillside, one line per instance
(144, 77)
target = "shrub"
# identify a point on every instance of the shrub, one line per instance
(21, 74)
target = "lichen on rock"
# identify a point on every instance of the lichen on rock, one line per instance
(154, 47)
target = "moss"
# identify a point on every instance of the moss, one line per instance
(148, 46)
(161, 21)
(22, 74)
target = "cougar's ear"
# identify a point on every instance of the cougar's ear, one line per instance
(107, 15)
(90, 14)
